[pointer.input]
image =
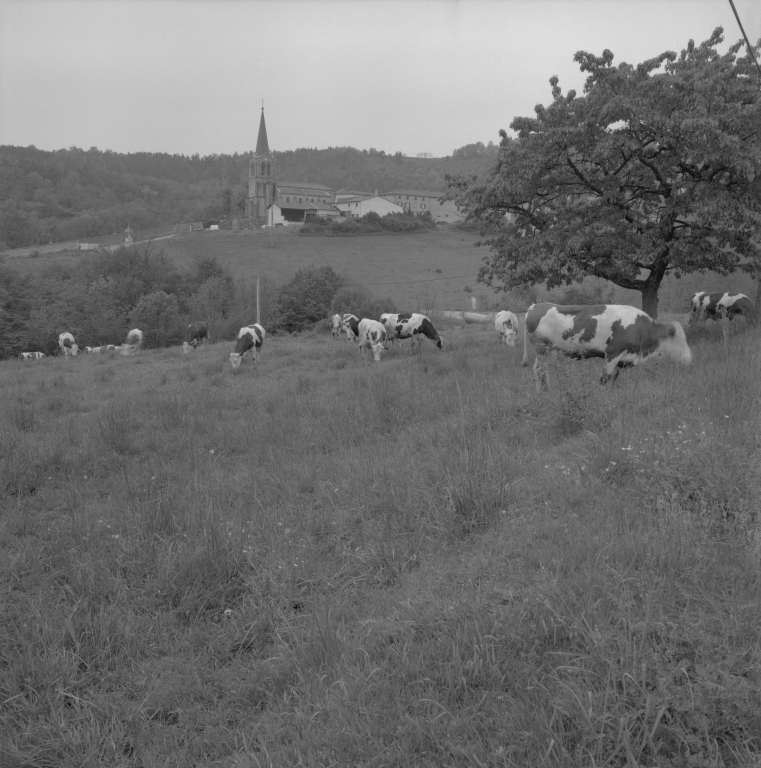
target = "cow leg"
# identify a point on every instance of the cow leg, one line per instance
(541, 375)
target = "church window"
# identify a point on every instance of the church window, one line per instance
(287, 199)
(299, 199)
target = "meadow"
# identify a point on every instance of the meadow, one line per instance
(324, 561)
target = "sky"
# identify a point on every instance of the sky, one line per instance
(190, 76)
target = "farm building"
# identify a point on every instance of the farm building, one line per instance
(359, 206)
(295, 212)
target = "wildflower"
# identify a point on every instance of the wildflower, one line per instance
(211, 451)
(228, 612)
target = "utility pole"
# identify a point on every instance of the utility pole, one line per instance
(258, 314)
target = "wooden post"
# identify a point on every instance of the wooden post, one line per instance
(258, 314)
(272, 230)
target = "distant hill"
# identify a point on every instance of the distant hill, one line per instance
(73, 193)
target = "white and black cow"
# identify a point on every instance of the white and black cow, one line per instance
(506, 325)
(26, 357)
(133, 343)
(335, 325)
(110, 347)
(93, 350)
(410, 326)
(39, 355)
(250, 337)
(350, 326)
(622, 335)
(713, 305)
(372, 335)
(67, 344)
(196, 332)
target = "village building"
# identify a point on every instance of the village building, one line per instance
(360, 205)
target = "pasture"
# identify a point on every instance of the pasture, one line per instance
(320, 560)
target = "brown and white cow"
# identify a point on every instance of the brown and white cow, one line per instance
(67, 344)
(38, 355)
(713, 305)
(250, 337)
(410, 326)
(196, 332)
(93, 350)
(26, 357)
(372, 335)
(506, 325)
(350, 326)
(622, 335)
(110, 347)
(133, 343)
(335, 325)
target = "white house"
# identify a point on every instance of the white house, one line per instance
(293, 212)
(360, 205)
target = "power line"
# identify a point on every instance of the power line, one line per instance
(747, 42)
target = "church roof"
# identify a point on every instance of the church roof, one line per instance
(301, 185)
(262, 146)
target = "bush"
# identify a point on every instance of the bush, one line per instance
(307, 297)
(360, 302)
(157, 315)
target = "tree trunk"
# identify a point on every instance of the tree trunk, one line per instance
(758, 296)
(650, 300)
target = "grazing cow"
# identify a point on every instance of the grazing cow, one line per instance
(713, 304)
(38, 355)
(133, 343)
(250, 337)
(25, 357)
(372, 335)
(410, 326)
(335, 325)
(67, 344)
(111, 348)
(622, 335)
(93, 350)
(350, 326)
(506, 325)
(195, 333)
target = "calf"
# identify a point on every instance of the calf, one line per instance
(620, 334)
(110, 347)
(196, 332)
(250, 337)
(25, 357)
(350, 326)
(67, 344)
(506, 325)
(335, 325)
(372, 335)
(713, 305)
(410, 326)
(133, 343)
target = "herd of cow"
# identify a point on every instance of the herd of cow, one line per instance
(622, 335)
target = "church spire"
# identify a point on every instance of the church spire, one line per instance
(262, 147)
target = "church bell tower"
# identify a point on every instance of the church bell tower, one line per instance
(261, 176)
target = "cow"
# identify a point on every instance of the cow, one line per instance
(250, 337)
(38, 355)
(506, 325)
(335, 325)
(622, 335)
(93, 350)
(195, 333)
(372, 335)
(350, 326)
(25, 357)
(133, 343)
(110, 347)
(714, 304)
(410, 326)
(67, 344)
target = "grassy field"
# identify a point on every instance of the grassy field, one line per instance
(416, 271)
(324, 561)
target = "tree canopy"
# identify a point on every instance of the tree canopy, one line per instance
(655, 169)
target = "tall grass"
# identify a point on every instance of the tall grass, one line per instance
(322, 560)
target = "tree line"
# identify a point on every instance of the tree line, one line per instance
(98, 299)
(73, 193)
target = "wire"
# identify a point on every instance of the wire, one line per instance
(424, 280)
(750, 48)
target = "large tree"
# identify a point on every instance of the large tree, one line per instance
(655, 169)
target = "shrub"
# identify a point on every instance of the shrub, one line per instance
(360, 302)
(307, 297)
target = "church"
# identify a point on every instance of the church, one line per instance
(292, 201)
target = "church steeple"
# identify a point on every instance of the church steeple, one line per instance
(262, 147)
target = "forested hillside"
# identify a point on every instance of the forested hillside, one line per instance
(73, 193)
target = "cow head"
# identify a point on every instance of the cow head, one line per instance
(74, 349)
(235, 359)
(675, 346)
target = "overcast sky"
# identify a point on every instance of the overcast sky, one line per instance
(187, 76)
